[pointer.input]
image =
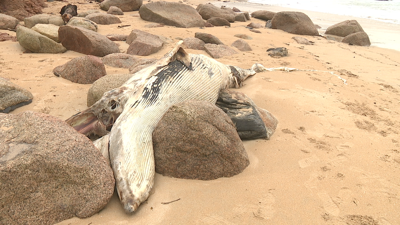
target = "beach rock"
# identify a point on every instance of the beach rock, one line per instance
(153, 25)
(117, 37)
(119, 60)
(254, 25)
(240, 17)
(251, 122)
(82, 70)
(37, 43)
(86, 41)
(263, 15)
(12, 96)
(114, 10)
(219, 51)
(302, 41)
(277, 52)
(359, 38)
(43, 19)
(143, 43)
(82, 22)
(104, 84)
(140, 64)
(197, 140)
(7, 37)
(84, 14)
(344, 28)
(241, 45)
(68, 11)
(208, 38)
(208, 11)
(21, 8)
(294, 22)
(216, 21)
(243, 36)
(172, 14)
(124, 5)
(194, 43)
(235, 9)
(103, 18)
(49, 172)
(8, 22)
(48, 30)
(255, 31)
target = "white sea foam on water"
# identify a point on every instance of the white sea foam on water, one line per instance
(385, 11)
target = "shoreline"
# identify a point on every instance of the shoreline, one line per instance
(381, 34)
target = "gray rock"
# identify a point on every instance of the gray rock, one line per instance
(277, 52)
(208, 10)
(240, 17)
(12, 96)
(360, 38)
(49, 172)
(143, 43)
(86, 41)
(119, 60)
(208, 38)
(114, 10)
(219, 51)
(217, 21)
(103, 18)
(194, 43)
(35, 42)
(171, 13)
(294, 22)
(8, 22)
(263, 15)
(48, 30)
(344, 28)
(197, 140)
(241, 45)
(124, 5)
(83, 22)
(43, 19)
(83, 70)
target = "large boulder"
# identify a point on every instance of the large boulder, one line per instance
(360, 38)
(83, 70)
(263, 15)
(197, 140)
(49, 172)
(8, 22)
(344, 28)
(208, 11)
(103, 18)
(172, 14)
(21, 8)
(48, 30)
(219, 51)
(124, 5)
(12, 96)
(82, 22)
(36, 42)
(43, 19)
(294, 22)
(143, 43)
(217, 21)
(86, 41)
(114, 10)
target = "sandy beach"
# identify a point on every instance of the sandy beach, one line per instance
(334, 158)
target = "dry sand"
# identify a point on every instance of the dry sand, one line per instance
(334, 158)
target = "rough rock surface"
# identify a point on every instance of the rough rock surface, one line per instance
(124, 5)
(277, 52)
(219, 51)
(21, 8)
(114, 10)
(82, 22)
(43, 19)
(241, 45)
(49, 172)
(208, 38)
(104, 84)
(12, 96)
(240, 17)
(197, 140)
(48, 30)
(119, 60)
(344, 28)
(103, 18)
(208, 10)
(294, 22)
(8, 22)
(217, 21)
(194, 43)
(143, 43)
(251, 121)
(83, 70)
(360, 38)
(172, 14)
(35, 42)
(263, 15)
(86, 41)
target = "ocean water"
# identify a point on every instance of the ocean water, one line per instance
(385, 11)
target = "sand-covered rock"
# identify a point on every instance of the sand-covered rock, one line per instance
(36, 42)
(294, 22)
(12, 96)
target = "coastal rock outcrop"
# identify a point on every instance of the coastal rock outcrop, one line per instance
(86, 41)
(36, 42)
(124, 5)
(8, 22)
(294, 22)
(208, 11)
(103, 18)
(49, 172)
(83, 70)
(197, 140)
(43, 19)
(172, 14)
(12, 96)
(21, 8)
(143, 43)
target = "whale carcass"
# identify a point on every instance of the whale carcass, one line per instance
(132, 111)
